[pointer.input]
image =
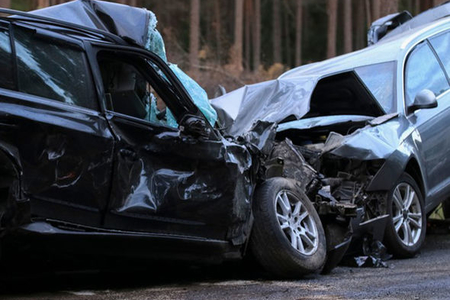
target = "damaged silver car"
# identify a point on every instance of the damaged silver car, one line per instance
(368, 128)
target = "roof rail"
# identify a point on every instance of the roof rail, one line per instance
(31, 18)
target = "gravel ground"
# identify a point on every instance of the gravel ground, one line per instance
(424, 277)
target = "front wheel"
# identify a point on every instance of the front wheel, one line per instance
(405, 231)
(287, 239)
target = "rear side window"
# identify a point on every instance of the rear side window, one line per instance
(423, 71)
(441, 44)
(6, 63)
(52, 70)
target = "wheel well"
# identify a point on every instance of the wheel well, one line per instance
(8, 170)
(413, 169)
(9, 190)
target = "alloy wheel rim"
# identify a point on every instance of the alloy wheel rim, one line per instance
(406, 214)
(296, 223)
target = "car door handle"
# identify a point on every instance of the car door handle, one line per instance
(126, 153)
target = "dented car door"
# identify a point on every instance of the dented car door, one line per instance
(179, 180)
(51, 125)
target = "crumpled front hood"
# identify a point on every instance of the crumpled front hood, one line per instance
(271, 101)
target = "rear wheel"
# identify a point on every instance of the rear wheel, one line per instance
(405, 232)
(288, 239)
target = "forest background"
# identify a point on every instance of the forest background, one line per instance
(237, 42)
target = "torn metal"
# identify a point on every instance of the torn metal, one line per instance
(334, 138)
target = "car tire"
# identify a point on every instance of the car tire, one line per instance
(405, 230)
(287, 239)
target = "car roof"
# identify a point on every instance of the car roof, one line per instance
(62, 27)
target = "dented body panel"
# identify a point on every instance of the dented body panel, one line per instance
(168, 183)
(52, 157)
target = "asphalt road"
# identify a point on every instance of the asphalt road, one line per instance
(424, 277)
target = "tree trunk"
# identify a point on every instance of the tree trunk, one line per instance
(287, 41)
(332, 6)
(43, 3)
(417, 7)
(257, 36)
(276, 32)
(361, 35)
(218, 29)
(298, 33)
(348, 36)
(248, 11)
(368, 12)
(425, 4)
(236, 51)
(194, 36)
(5, 3)
(388, 7)
(376, 10)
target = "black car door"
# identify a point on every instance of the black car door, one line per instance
(168, 178)
(51, 122)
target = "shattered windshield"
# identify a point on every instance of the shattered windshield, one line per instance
(379, 79)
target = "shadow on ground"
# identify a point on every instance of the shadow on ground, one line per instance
(33, 272)
(33, 275)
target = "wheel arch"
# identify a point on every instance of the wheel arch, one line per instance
(413, 169)
(13, 210)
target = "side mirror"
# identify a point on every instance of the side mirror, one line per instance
(220, 91)
(424, 99)
(195, 126)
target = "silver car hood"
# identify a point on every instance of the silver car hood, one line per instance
(270, 101)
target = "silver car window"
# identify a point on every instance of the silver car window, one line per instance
(423, 71)
(379, 79)
(441, 45)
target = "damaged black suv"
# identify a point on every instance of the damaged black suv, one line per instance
(86, 158)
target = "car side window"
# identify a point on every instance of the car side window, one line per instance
(379, 79)
(52, 70)
(129, 93)
(6, 62)
(441, 45)
(423, 71)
